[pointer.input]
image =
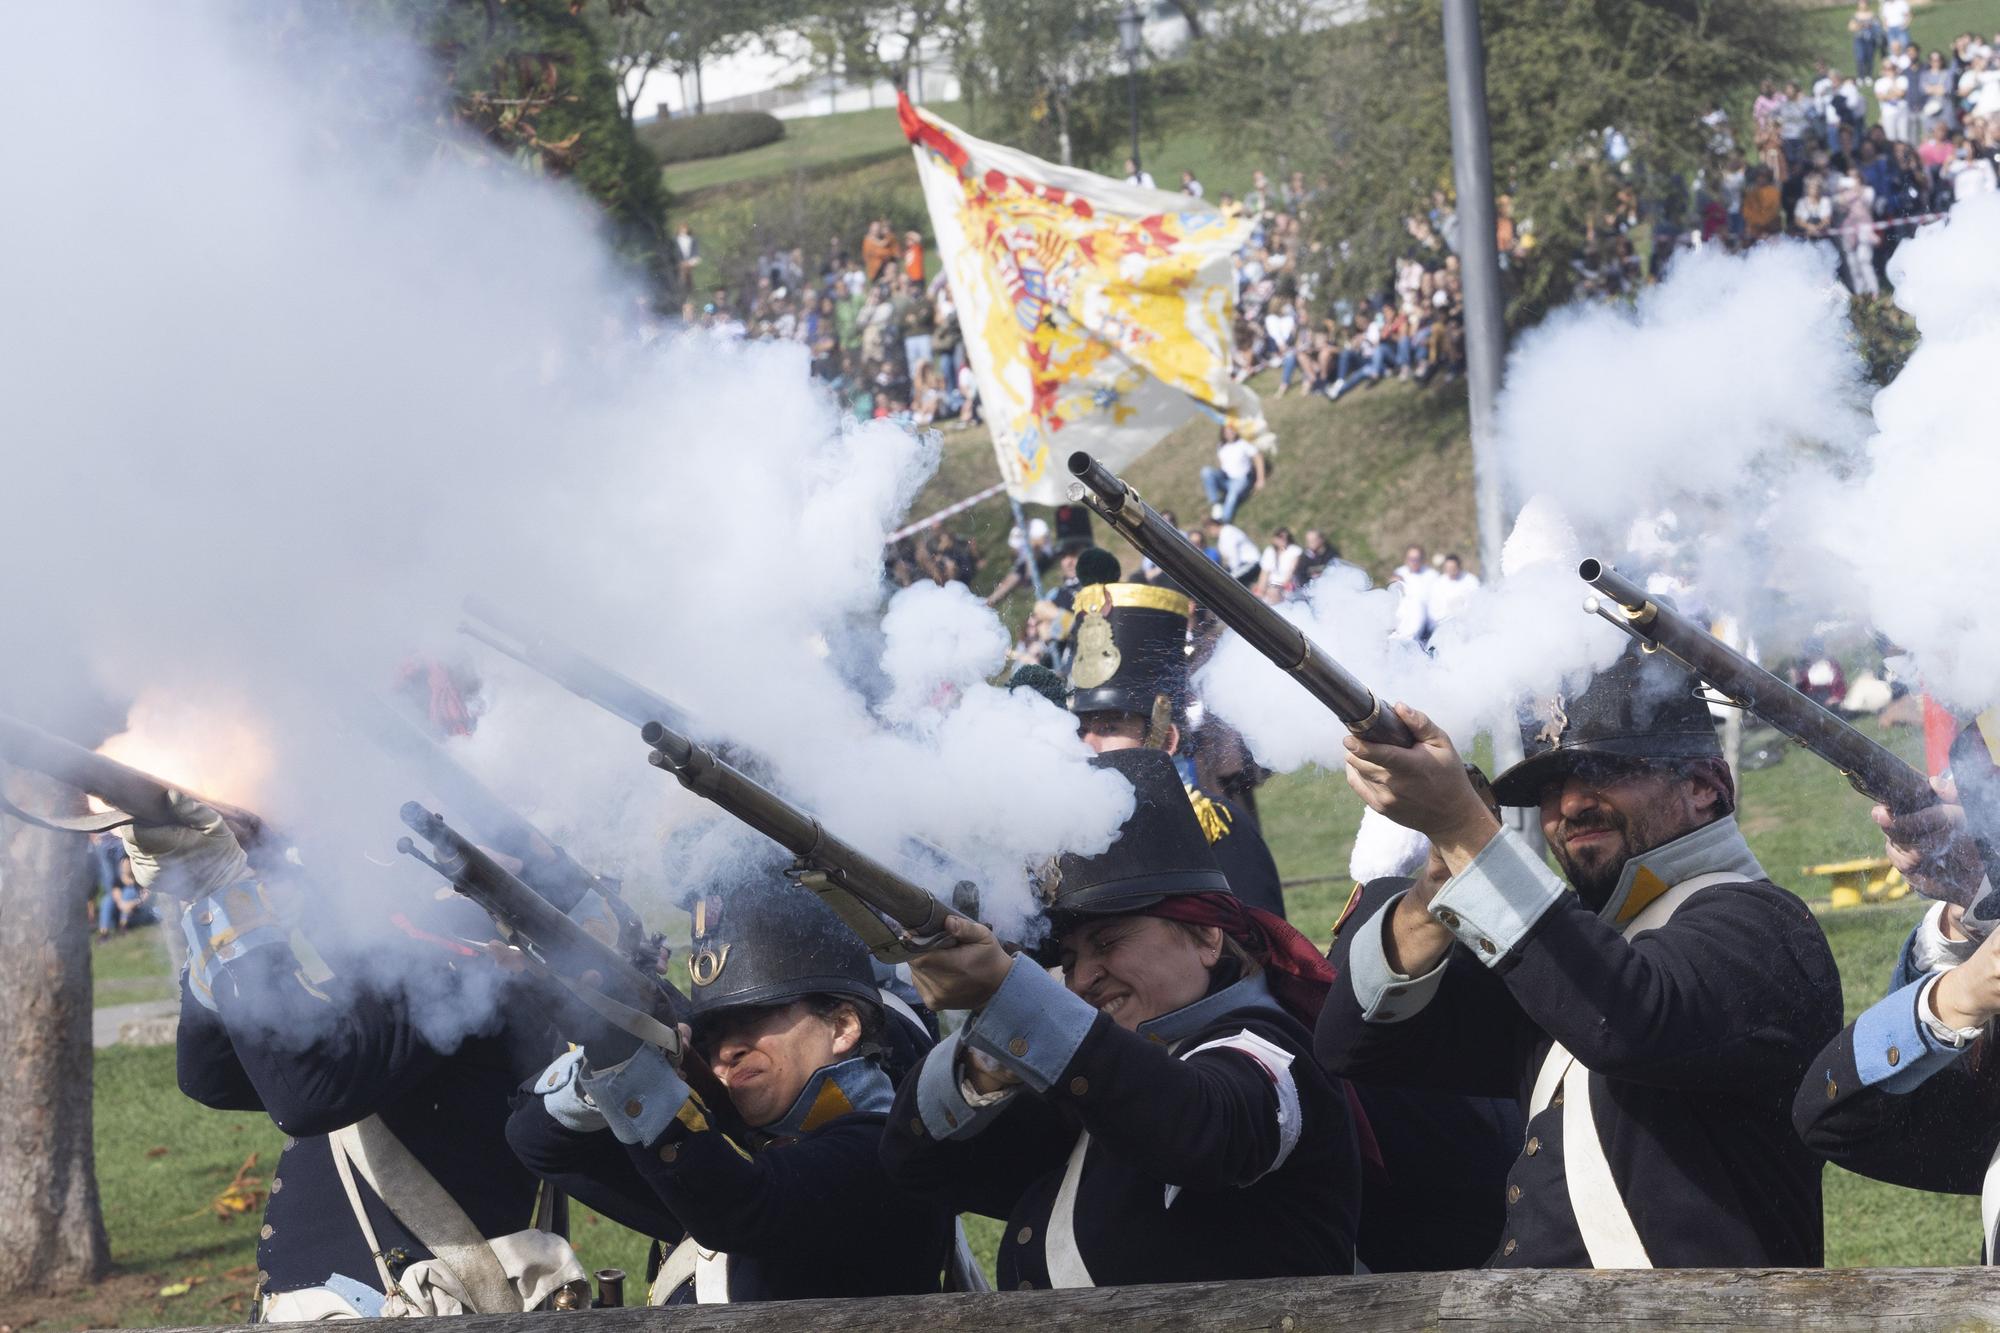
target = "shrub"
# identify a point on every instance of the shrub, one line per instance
(716, 134)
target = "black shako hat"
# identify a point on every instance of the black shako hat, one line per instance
(1160, 852)
(1073, 529)
(765, 944)
(1643, 706)
(1131, 650)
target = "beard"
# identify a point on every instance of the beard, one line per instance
(1594, 868)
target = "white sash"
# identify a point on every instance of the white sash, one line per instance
(708, 1268)
(1601, 1216)
(1989, 1206)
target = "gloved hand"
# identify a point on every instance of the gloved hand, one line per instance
(188, 859)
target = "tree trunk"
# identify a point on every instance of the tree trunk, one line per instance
(700, 102)
(51, 1228)
(1191, 11)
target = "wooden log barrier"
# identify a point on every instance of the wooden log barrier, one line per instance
(1928, 1299)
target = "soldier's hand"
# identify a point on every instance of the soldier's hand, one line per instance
(964, 973)
(188, 859)
(1969, 994)
(1932, 848)
(1421, 787)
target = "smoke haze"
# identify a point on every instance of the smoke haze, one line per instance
(290, 369)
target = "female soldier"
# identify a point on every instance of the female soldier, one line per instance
(1159, 1120)
(787, 1014)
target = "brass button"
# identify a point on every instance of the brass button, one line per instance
(633, 1107)
(1509, 1247)
(1557, 1100)
(291, 1143)
(951, 1119)
(917, 1125)
(277, 1183)
(1513, 1194)
(1019, 1046)
(1485, 945)
(1832, 1088)
(1447, 918)
(1024, 1235)
(1534, 1146)
(1027, 1285)
(669, 1152)
(1078, 1086)
(263, 1276)
(266, 1232)
(1895, 1056)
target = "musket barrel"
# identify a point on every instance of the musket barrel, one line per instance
(1872, 769)
(1277, 638)
(715, 779)
(140, 795)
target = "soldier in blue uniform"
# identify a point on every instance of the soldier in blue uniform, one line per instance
(1906, 1092)
(788, 1015)
(395, 1192)
(1653, 1015)
(1155, 1116)
(1129, 688)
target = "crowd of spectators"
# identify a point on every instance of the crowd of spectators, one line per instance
(886, 340)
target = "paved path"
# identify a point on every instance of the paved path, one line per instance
(108, 1020)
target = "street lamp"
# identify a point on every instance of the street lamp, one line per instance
(1131, 24)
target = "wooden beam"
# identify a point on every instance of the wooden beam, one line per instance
(1480, 1301)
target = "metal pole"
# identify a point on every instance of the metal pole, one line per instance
(1485, 313)
(1132, 84)
(1027, 548)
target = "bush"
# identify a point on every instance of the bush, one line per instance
(802, 211)
(714, 135)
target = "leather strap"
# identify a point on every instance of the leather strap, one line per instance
(432, 1215)
(68, 823)
(1602, 1218)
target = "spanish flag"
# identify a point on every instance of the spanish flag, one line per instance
(1097, 315)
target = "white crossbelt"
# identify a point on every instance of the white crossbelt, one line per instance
(1601, 1215)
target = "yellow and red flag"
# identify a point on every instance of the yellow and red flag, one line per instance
(1096, 315)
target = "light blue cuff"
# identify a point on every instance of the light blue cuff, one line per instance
(1892, 1048)
(1032, 1025)
(638, 1099)
(1492, 904)
(222, 927)
(1384, 994)
(560, 1087)
(941, 1098)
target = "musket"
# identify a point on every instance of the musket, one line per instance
(1874, 771)
(1277, 638)
(145, 798)
(576, 672)
(854, 884)
(553, 872)
(641, 1003)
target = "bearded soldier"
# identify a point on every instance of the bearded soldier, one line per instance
(396, 1193)
(788, 1016)
(1653, 1015)
(1154, 1116)
(1129, 688)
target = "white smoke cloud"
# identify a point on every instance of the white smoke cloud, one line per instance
(288, 382)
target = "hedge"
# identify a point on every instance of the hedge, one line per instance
(716, 134)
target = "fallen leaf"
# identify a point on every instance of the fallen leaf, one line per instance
(177, 1289)
(159, 1151)
(241, 1271)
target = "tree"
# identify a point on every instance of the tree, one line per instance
(51, 1226)
(643, 36)
(530, 76)
(1044, 69)
(1363, 104)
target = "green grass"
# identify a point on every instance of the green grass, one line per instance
(128, 968)
(811, 143)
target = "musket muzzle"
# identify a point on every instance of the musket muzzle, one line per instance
(1099, 478)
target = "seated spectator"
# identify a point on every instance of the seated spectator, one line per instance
(1234, 550)
(1281, 335)
(1451, 591)
(1238, 472)
(1278, 567)
(1190, 186)
(123, 905)
(1813, 214)
(1315, 558)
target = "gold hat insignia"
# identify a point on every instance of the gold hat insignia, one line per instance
(1097, 656)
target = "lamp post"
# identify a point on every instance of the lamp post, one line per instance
(1131, 24)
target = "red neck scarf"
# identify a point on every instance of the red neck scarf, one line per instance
(1298, 974)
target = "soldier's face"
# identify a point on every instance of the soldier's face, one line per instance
(1139, 967)
(764, 1056)
(1601, 816)
(1105, 732)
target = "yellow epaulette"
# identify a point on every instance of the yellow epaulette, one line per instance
(1214, 818)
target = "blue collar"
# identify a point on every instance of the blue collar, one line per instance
(1712, 848)
(1250, 994)
(856, 1084)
